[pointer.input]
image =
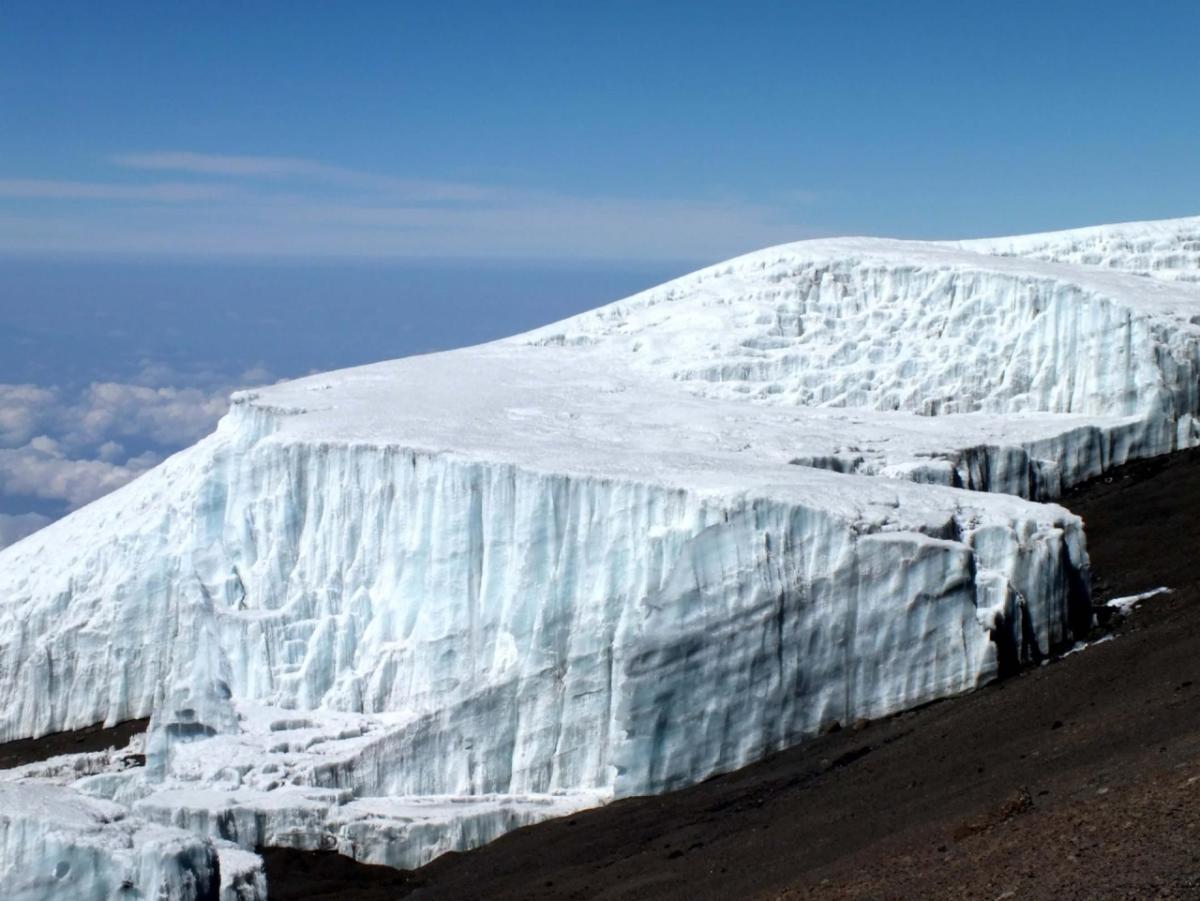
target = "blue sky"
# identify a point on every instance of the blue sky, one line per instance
(197, 197)
(681, 131)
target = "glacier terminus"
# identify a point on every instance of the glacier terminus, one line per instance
(401, 609)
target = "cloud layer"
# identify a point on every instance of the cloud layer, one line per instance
(41, 469)
(107, 412)
(67, 448)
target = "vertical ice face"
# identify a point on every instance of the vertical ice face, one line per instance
(609, 557)
(198, 703)
(547, 632)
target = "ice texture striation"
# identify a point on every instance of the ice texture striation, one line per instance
(902, 326)
(1168, 249)
(402, 608)
(546, 631)
(55, 843)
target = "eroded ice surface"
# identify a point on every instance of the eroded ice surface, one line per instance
(56, 843)
(402, 608)
(1168, 249)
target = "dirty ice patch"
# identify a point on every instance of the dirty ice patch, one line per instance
(1125, 604)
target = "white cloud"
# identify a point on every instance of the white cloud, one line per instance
(166, 416)
(41, 470)
(111, 451)
(22, 412)
(71, 447)
(105, 414)
(46, 445)
(14, 527)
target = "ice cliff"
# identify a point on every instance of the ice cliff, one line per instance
(402, 608)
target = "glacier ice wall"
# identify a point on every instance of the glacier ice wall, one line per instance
(1078, 368)
(544, 632)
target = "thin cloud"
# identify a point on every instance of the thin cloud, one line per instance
(210, 164)
(168, 192)
(562, 228)
(287, 206)
(284, 167)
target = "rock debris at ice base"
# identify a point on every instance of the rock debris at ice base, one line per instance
(611, 556)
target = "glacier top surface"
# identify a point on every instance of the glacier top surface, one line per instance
(1166, 249)
(719, 379)
(563, 410)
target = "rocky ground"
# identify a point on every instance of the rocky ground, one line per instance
(93, 738)
(1079, 779)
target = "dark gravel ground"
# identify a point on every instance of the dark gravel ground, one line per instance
(93, 738)
(1075, 780)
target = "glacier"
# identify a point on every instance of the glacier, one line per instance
(1167, 249)
(57, 843)
(400, 609)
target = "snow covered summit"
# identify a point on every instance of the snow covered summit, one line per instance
(401, 608)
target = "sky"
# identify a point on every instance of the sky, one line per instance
(197, 197)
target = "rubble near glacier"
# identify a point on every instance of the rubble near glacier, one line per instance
(400, 609)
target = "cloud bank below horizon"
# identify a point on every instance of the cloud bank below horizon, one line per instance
(61, 449)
